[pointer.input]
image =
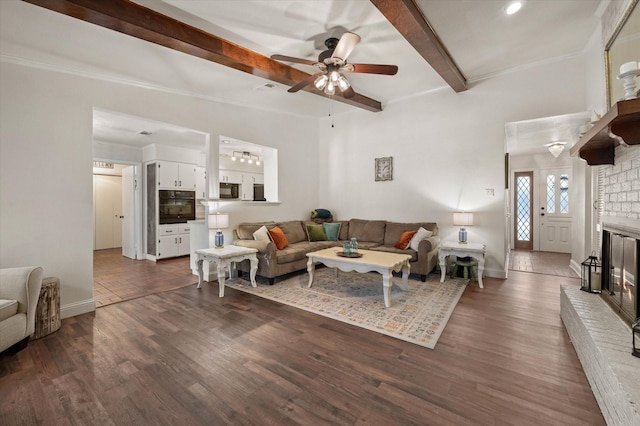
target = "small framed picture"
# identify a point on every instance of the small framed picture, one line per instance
(384, 168)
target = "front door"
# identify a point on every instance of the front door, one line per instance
(555, 214)
(523, 223)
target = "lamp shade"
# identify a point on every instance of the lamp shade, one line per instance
(218, 221)
(463, 219)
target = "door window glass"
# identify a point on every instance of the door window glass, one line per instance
(551, 193)
(564, 193)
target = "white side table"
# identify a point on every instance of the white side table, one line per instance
(475, 250)
(223, 257)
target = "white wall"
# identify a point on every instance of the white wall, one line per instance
(447, 150)
(46, 211)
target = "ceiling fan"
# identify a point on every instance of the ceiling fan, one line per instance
(331, 62)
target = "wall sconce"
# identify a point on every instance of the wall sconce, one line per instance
(462, 219)
(218, 221)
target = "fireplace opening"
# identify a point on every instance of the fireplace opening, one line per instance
(620, 250)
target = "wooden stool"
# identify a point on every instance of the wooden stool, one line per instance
(466, 263)
(48, 308)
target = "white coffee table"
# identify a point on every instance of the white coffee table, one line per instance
(224, 257)
(475, 250)
(371, 261)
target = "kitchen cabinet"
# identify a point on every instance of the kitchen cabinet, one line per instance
(252, 178)
(173, 241)
(171, 175)
(230, 176)
(201, 183)
(248, 180)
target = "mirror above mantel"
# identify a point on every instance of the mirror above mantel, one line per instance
(619, 125)
(622, 48)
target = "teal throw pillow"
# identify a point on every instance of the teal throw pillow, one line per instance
(332, 230)
(316, 233)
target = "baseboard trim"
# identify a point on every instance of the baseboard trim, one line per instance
(495, 273)
(78, 308)
(575, 267)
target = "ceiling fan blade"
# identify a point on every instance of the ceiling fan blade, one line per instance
(346, 44)
(304, 82)
(349, 92)
(292, 59)
(372, 69)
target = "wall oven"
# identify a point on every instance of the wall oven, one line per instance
(176, 206)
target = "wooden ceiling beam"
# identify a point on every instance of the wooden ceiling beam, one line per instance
(409, 20)
(146, 24)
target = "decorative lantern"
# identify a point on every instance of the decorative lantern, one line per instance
(591, 275)
(635, 330)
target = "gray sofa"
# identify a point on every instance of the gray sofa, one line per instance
(371, 235)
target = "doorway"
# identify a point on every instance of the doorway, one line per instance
(523, 208)
(116, 202)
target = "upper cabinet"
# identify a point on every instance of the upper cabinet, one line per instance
(619, 126)
(176, 175)
(201, 183)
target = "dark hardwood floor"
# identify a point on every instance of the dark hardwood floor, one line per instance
(117, 278)
(187, 357)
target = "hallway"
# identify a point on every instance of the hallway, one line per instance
(541, 262)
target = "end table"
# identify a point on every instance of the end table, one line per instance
(223, 257)
(452, 248)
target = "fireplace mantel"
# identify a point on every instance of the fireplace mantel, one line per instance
(629, 226)
(619, 126)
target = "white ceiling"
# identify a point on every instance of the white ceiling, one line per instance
(482, 39)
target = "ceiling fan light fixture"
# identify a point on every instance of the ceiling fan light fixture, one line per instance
(321, 82)
(343, 83)
(330, 89)
(334, 76)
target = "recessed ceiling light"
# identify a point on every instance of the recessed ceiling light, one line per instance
(513, 7)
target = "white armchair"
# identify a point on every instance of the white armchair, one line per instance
(19, 292)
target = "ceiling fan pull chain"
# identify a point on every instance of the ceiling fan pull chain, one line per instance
(331, 109)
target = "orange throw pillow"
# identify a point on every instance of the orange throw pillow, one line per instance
(404, 240)
(278, 238)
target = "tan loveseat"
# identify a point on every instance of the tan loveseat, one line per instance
(19, 292)
(371, 235)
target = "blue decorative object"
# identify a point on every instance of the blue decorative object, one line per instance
(462, 235)
(219, 239)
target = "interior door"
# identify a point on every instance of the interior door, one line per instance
(555, 212)
(523, 210)
(107, 211)
(128, 212)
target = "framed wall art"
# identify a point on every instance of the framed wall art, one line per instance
(384, 168)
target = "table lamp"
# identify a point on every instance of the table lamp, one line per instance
(218, 221)
(462, 219)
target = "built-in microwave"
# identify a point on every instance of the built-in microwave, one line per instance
(176, 206)
(229, 190)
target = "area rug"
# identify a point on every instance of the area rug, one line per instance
(417, 316)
